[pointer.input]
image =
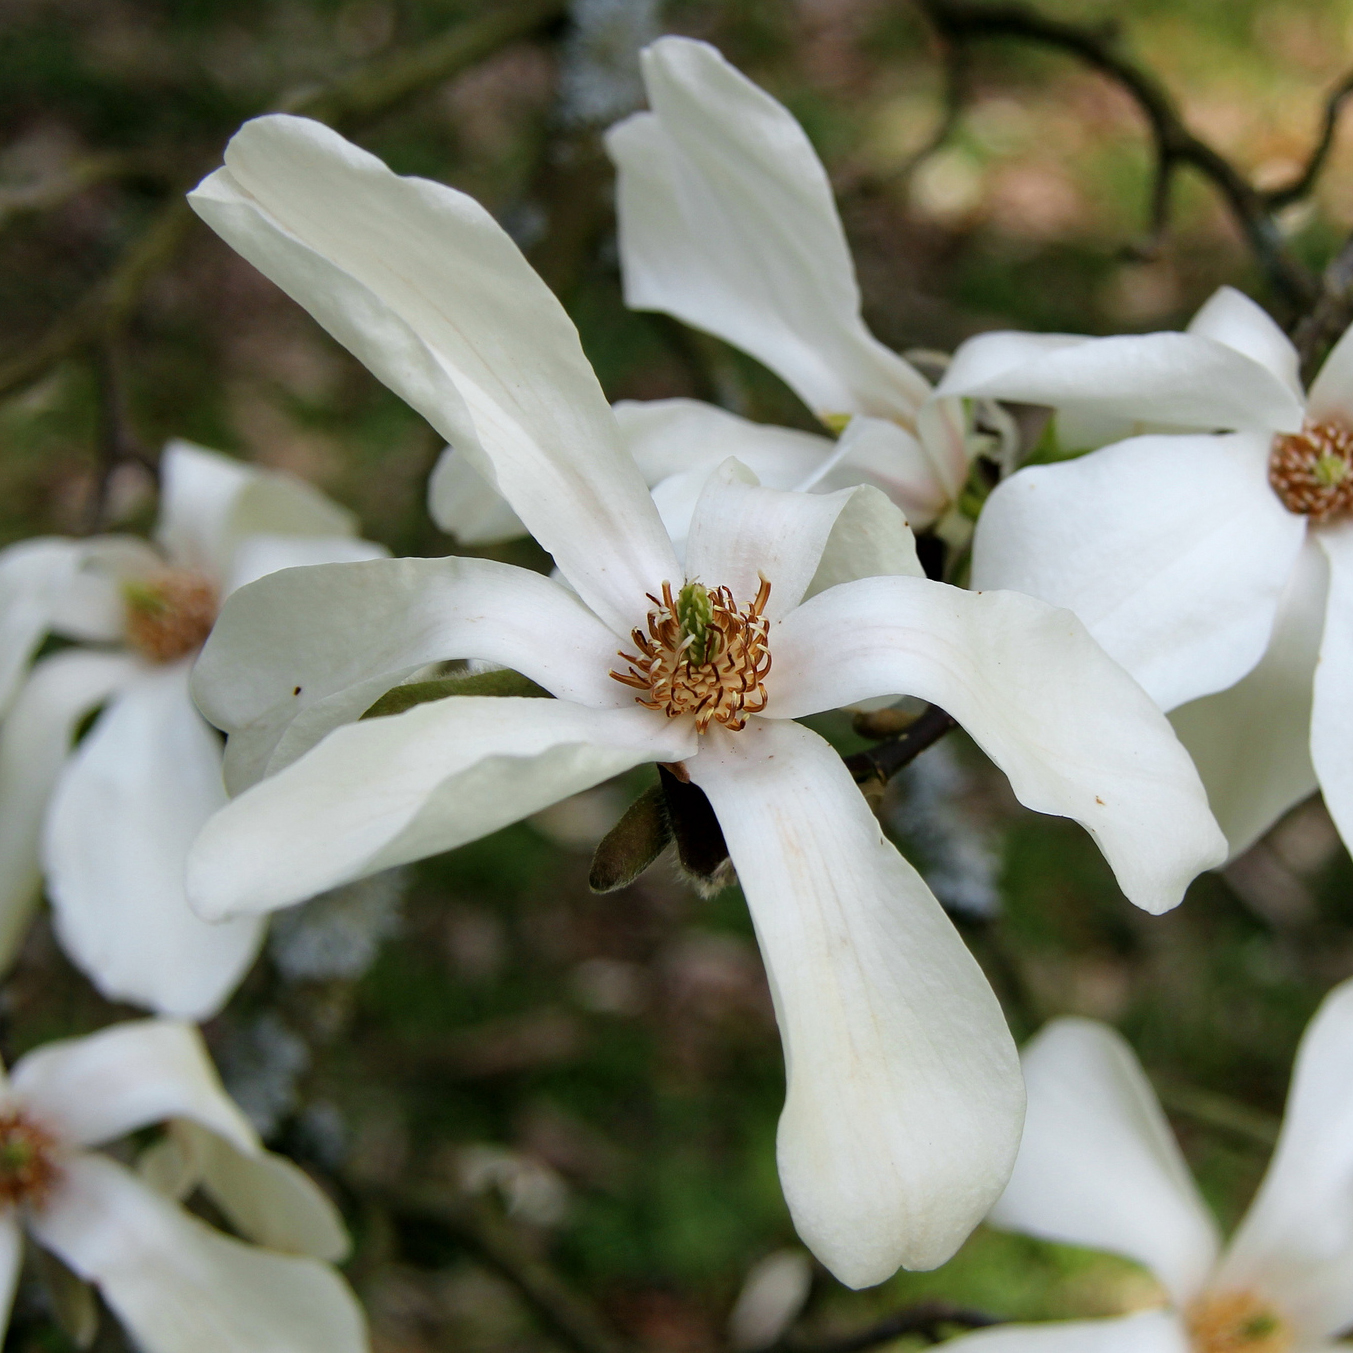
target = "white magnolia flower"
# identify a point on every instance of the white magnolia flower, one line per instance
(1099, 1167)
(1202, 563)
(904, 1100)
(109, 822)
(177, 1284)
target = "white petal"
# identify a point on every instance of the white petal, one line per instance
(1098, 1165)
(890, 457)
(257, 556)
(92, 607)
(1183, 380)
(127, 807)
(209, 502)
(1332, 390)
(741, 532)
(727, 221)
(301, 652)
(33, 576)
(176, 1284)
(1074, 733)
(1144, 1332)
(422, 285)
(988, 357)
(903, 1104)
(1332, 709)
(126, 1077)
(1174, 551)
(1232, 318)
(1296, 1242)
(386, 791)
(466, 505)
(11, 1260)
(1252, 743)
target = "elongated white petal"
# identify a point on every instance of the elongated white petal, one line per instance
(127, 807)
(126, 1077)
(177, 1284)
(298, 653)
(1252, 743)
(35, 740)
(1332, 390)
(742, 532)
(386, 791)
(1098, 1165)
(33, 576)
(422, 285)
(257, 556)
(727, 222)
(1174, 551)
(1144, 1332)
(1296, 1242)
(92, 606)
(466, 505)
(1075, 734)
(1233, 318)
(903, 1105)
(210, 502)
(984, 358)
(888, 456)
(1183, 380)
(1332, 708)
(11, 1260)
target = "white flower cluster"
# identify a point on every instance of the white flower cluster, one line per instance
(716, 582)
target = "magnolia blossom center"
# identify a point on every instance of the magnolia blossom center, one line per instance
(169, 613)
(28, 1168)
(702, 656)
(1237, 1322)
(1312, 470)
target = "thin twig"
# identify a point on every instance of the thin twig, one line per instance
(1219, 1111)
(49, 193)
(879, 764)
(1331, 314)
(118, 443)
(1305, 180)
(926, 1318)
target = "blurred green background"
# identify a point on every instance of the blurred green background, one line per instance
(625, 1044)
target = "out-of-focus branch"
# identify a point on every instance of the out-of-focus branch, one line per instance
(1329, 316)
(346, 102)
(962, 21)
(57, 190)
(118, 443)
(1306, 179)
(1219, 1111)
(929, 1319)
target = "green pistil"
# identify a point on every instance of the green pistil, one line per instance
(15, 1155)
(693, 613)
(1259, 1326)
(1331, 471)
(144, 597)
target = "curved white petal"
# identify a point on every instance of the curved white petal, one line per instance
(386, 791)
(894, 460)
(300, 652)
(1296, 1242)
(422, 285)
(1174, 551)
(1332, 705)
(467, 506)
(1183, 380)
(124, 812)
(1098, 1165)
(92, 607)
(34, 574)
(1074, 733)
(126, 1077)
(257, 556)
(903, 1104)
(11, 1261)
(177, 1284)
(727, 221)
(35, 740)
(1144, 1332)
(1331, 393)
(1252, 743)
(1233, 318)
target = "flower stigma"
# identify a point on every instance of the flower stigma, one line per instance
(702, 656)
(169, 613)
(1311, 471)
(28, 1168)
(1237, 1322)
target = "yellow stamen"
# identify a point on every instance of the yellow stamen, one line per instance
(169, 613)
(1237, 1322)
(1312, 470)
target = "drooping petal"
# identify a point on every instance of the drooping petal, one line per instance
(33, 576)
(177, 1284)
(1295, 1245)
(1143, 1332)
(1252, 742)
(35, 740)
(386, 791)
(1074, 733)
(126, 1077)
(298, 653)
(888, 456)
(727, 221)
(257, 556)
(421, 284)
(1332, 390)
(466, 505)
(1332, 707)
(1233, 318)
(124, 812)
(1174, 551)
(903, 1104)
(1098, 1165)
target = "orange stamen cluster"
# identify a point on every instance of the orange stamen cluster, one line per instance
(1312, 470)
(718, 674)
(28, 1168)
(169, 614)
(1237, 1322)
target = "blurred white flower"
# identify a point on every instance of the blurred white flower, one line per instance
(903, 1104)
(772, 1295)
(599, 78)
(531, 1191)
(1099, 1167)
(177, 1284)
(338, 933)
(262, 1064)
(109, 821)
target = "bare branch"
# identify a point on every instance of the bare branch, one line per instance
(57, 190)
(879, 764)
(118, 443)
(1330, 316)
(1315, 164)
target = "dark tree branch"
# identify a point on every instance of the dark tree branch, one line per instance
(1329, 316)
(926, 1318)
(879, 764)
(1305, 181)
(118, 443)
